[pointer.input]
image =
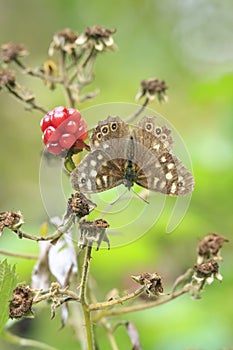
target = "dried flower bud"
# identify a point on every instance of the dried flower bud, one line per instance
(152, 282)
(210, 246)
(207, 271)
(97, 37)
(11, 52)
(79, 205)
(7, 77)
(63, 40)
(11, 219)
(93, 231)
(21, 303)
(152, 88)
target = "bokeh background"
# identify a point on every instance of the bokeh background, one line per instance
(189, 44)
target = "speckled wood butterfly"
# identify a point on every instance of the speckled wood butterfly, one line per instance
(142, 156)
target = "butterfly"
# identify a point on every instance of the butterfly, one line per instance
(122, 156)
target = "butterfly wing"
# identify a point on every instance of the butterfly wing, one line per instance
(152, 136)
(97, 172)
(159, 170)
(165, 174)
(113, 129)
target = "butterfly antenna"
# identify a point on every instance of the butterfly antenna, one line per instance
(109, 205)
(116, 200)
(141, 197)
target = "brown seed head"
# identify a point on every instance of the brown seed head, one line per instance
(93, 231)
(11, 52)
(21, 302)
(12, 220)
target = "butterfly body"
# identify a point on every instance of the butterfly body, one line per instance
(142, 156)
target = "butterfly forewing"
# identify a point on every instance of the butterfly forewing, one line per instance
(142, 156)
(97, 172)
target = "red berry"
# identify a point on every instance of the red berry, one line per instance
(47, 134)
(82, 132)
(71, 127)
(59, 115)
(55, 137)
(74, 114)
(54, 148)
(84, 135)
(67, 140)
(79, 145)
(45, 122)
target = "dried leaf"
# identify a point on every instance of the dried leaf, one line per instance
(41, 272)
(133, 335)
(62, 259)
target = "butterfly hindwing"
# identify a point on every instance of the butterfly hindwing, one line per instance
(142, 156)
(97, 172)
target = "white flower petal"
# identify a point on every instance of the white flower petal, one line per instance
(99, 46)
(81, 39)
(108, 41)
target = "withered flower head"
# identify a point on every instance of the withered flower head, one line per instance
(21, 303)
(207, 271)
(151, 281)
(63, 40)
(93, 231)
(98, 38)
(12, 220)
(152, 88)
(11, 52)
(7, 77)
(210, 246)
(79, 205)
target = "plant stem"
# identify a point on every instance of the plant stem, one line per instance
(65, 83)
(139, 111)
(18, 255)
(110, 334)
(31, 103)
(62, 292)
(14, 339)
(54, 237)
(83, 299)
(107, 304)
(146, 306)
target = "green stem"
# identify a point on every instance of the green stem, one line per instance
(110, 334)
(14, 339)
(83, 299)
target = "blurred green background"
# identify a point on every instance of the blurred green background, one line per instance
(189, 44)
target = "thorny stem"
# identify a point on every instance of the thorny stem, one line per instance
(106, 304)
(146, 306)
(83, 299)
(139, 111)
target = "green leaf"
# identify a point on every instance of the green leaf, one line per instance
(8, 281)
